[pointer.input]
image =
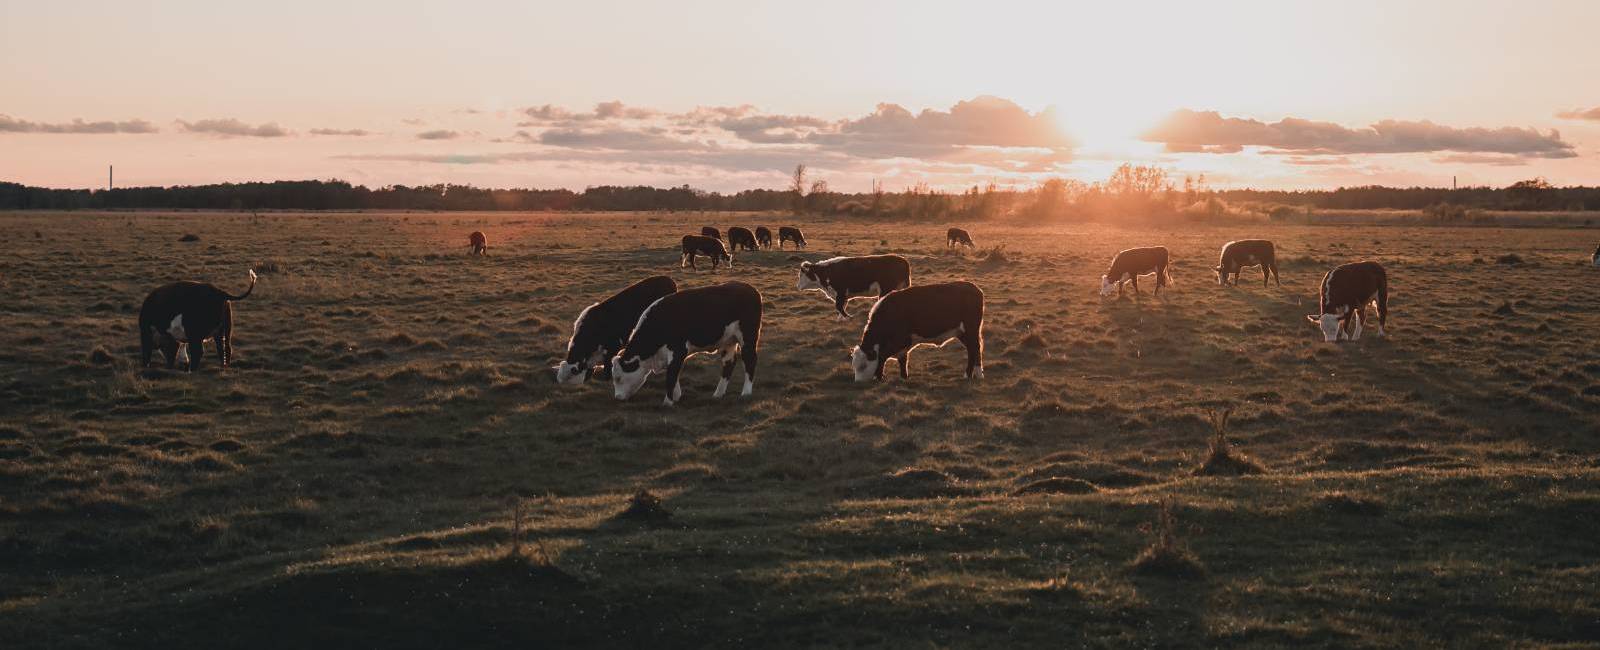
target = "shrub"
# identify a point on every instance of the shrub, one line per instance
(1167, 556)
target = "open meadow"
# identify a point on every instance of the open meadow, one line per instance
(388, 462)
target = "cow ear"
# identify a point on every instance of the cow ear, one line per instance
(805, 266)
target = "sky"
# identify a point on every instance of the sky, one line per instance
(731, 95)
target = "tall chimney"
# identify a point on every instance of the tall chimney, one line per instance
(111, 177)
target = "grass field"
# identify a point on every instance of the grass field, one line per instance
(388, 463)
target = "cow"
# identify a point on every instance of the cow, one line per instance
(844, 278)
(603, 327)
(791, 233)
(1595, 258)
(1247, 252)
(179, 317)
(478, 242)
(958, 236)
(723, 319)
(702, 245)
(763, 237)
(713, 233)
(1346, 292)
(928, 314)
(1130, 264)
(741, 238)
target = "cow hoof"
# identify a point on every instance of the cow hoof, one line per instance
(667, 402)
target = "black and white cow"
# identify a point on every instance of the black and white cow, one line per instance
(1346, 292)
(1130, 264)
(844, 278)
(958, 236)
(763, 237)
(928, 314)
(602, 328)
(178, 318)
(791, 233)
(1247, 252)
(708, 231)
(723, 318)
(741, 238)
(694, 245)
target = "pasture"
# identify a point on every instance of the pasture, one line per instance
(389, 464)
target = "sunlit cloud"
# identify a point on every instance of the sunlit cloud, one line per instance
(349, 132)
(1190, 131)
(1581, 114)
(439, 134)
(10, 124)
(229, 127)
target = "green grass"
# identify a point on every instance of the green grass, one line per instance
(389, 464)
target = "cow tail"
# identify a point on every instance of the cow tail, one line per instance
(247, 291)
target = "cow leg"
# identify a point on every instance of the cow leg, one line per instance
(169, 349)
(751, 334)
(1383, 308)
(904, 361)
(840, 299)
(730, 353)
(674, 369)
(1136, 290)
(197, 350)
(972, 340)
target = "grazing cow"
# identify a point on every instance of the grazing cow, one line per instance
(723, 318)
(958, 236)
(1247, 252)
(1595, 258)
(713, 233)
(478, 242)
(602, 328)
(928, 314)
(179, 317)
(1346, 292)
(763, 237)
(741, 238)
(702, 245)
(791, 233)
(1130, 264)
(844, 278)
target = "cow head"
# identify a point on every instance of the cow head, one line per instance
(1222, 276)
(628, 374)
(808, 277)
(1107, 287)
(727, 256)
(577, 368)
(1332, 325)
(864, 362)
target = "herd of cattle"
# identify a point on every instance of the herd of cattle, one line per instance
(652, 326)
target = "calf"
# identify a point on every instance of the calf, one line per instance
(1247, 252)
(791, 233)
(478, 242)
(179, 317)
(929, 314)
(1346, 292)
(701, 245)
(763, 237)
(602, 328)
(1130, 264)
(843, 278)
(713, 233)
(958, 236)
(724, 318)
(741, 238)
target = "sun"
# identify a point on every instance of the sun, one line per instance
(1109, 128)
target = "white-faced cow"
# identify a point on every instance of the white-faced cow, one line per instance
(479, 242)
(1247, 252)
(791, 234)
(178, 318)
(741, 238)
(708, 231)
(1130, 264)
(763, 236)
(694, 245)
(929, 314)
(956, 236)
(844, 278)
(1346, 292)
(602, 328)
(723, 318)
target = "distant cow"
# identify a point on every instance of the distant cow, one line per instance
(844, 278)
(741, 238)
(1130, 264)
(929, 314)
(723, 318)
(1346, 292)
(602, 328)
(179, 318)
(713, 233)
(708, 246)
(1247, 252)
(791, 234)
(958, 236)
(1595, 258)
(478, 242)
(763, 237)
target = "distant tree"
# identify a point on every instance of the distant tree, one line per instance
(1529, 194)
(797, 185)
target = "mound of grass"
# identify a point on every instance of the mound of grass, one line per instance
(100, 356)
(1511, 259)
(268, 267)
(645, 506)
(189, 237)
(1059, 485)
(1167, 556)
(1221, 459)
(1505, 309)
(1349, 504)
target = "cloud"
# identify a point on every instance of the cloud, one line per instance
(1500, 160)
(340, 132)
(10, 124)
(1187, 131)
(438, 134)
(604, 111)
(655, 139)
(230, 127)
(891, 131)
(1581, 114)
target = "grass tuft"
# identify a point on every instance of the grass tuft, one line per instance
(1511, 259)
(189, 237)
(1221, 459)
(1167, 556)
(644, 505)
